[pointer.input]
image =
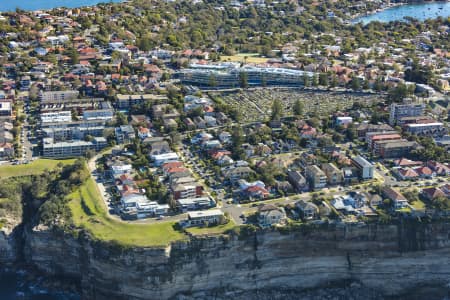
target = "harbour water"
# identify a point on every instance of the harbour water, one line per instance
(47, 4)
(420, 11)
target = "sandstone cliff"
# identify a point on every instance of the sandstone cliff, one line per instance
(389, 259)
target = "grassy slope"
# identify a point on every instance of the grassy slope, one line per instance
(33, 168)
(211, 230)
(89, 212)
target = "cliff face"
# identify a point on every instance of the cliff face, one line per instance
(390, 259)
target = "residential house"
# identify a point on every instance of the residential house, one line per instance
(406, 173)
(189, 204)
(439, 168)
(160, 159)
(375, 200)
(6, 150)
(204, 218)
(433, 193)
(425, 172)
(269, 215)
(236, 173)
(307, 209)
(183, 191)
(398, 199)
(143, 133)
(125, 134)
(160, 147)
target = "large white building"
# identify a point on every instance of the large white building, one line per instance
(365, 168)
(230, 75)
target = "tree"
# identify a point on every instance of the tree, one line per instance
(277, 110)
(398, 93)
(89, 154)
(298, 108)
(355, 84)
(334, 81)
(243, 80)
(315, 80)
(323, 79)
(212, 82)
(306, 80)
(121, 119)
(74, 56)
(145, 44)
(378, 85)
(237, 137)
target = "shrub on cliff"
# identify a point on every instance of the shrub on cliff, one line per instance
(243, 231)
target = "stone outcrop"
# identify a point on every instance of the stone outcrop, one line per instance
(386, 259)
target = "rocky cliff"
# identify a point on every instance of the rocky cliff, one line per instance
(388, 259)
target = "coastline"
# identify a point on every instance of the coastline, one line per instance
(355, 19)
(378, 10)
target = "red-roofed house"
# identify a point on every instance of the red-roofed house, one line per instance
(407, 173)
(433, 193)
(256, 192)
(404, 162)
(425, 172)
(439, 168)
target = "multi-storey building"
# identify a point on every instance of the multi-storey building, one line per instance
(406, 109)
(316, 177)
(364, 167)
(58, 96)
(334, 175)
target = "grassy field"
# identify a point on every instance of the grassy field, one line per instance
(248, 57)
(33, 168)
(89, 212)
(211, 230)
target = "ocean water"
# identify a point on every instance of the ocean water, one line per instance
(6, 5)
(17, 285)
(420, 11)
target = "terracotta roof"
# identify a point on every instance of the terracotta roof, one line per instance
(432, 193)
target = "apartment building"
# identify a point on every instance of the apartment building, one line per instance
(364, 167)
(333, 173)
(57, 96)
(316, 177)
(396, 149)
(405, 109)
(71, 148)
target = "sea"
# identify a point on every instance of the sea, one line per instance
(6, 5)
(419, 11)
(19, 285)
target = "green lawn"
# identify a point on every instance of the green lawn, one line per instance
(89, 212)
(211, 230)
(33, 168)
(418, 205)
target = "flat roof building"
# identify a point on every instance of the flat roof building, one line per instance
(365, 168)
